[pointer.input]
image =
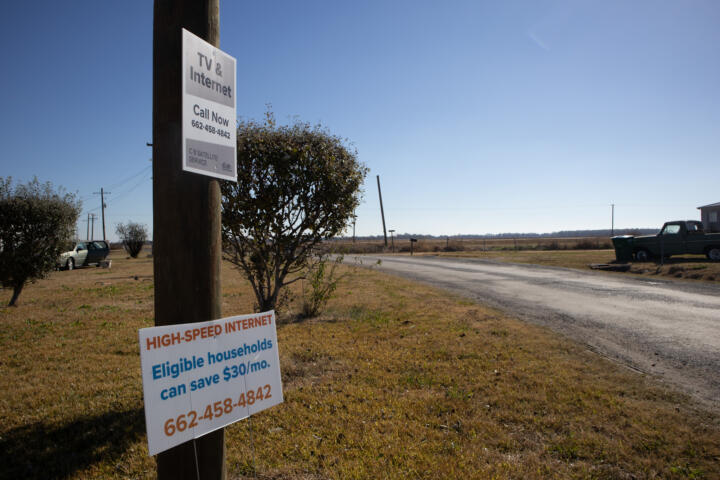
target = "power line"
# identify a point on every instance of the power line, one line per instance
(131, 189)
(122, 194)
(127, 179)
(117, 184)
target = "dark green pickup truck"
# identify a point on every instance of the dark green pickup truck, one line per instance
(675, 238)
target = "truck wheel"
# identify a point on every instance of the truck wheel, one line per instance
(713, 254)
(642, 255)
(70, 264)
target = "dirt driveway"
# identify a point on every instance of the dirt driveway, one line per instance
(670, 330)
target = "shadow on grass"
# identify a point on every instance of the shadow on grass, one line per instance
(40, 451)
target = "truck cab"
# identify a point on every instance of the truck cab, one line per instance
(676, 238)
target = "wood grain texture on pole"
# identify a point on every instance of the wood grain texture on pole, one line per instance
(186, 216)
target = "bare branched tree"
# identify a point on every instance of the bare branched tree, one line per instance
(133, 236)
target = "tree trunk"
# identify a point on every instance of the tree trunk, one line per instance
(16, 293)
(266, 303)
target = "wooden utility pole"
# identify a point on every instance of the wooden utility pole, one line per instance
(92, 228)
(382, 212)
(102, 206)
(612, 222)
(186, 218)
(87, 228)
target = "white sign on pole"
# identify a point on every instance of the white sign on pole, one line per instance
(208, 109)
(199, 377)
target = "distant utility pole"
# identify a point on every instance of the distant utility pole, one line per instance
(382, 212)
(612, 224)
(102, 205)
(92, 228)
(186, 218)
(87, 228)
(392, 240)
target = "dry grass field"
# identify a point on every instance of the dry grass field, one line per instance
(393, 380)
(577, 253)
(438, 245)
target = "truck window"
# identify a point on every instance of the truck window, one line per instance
(694, 227)
(671, 230)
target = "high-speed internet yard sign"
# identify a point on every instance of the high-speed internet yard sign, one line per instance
(208, 109)
(198, 377)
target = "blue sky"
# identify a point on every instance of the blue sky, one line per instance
(479, 117)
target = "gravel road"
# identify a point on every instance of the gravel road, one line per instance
(670, 330)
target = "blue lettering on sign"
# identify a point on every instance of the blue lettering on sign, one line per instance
(203, 382)
(173, 392)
